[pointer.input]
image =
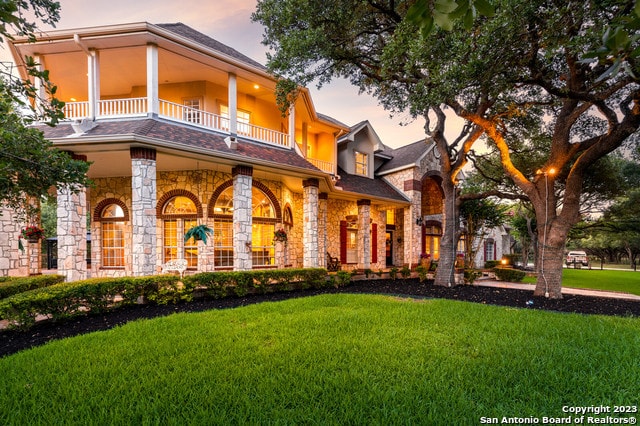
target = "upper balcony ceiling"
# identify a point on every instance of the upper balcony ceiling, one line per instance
(123, 51)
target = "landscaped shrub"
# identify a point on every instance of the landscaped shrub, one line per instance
(491, 264)
(393, 272)
(98, 294)
(422, 272)
(11, 286)
(405, 272)
(508, 274)
(343, 278)
(95, 295)
(470, 275)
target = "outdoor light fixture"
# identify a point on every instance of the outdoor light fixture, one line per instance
(419, 221)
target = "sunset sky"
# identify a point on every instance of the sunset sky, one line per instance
(229, 22)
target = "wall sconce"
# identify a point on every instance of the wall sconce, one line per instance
(419, 221)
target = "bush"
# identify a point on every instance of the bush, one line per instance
(393, 272)
(489, 264)
(405, 272)
(422, 272)
(11, 286)
(470, 275)
(343, 279)
(508, 274)
(99, 294)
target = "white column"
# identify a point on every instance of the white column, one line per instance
(233, 105)
(310, 223)
(93, 82)
(364, 237)
(292, 127)
(242, 217)
(143, 211)
(40, 93)
(153, 102)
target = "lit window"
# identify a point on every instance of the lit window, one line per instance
(361, 164)
(391, 217)
(191, 110)
(244, 118)
(112, 233)
(174, 246)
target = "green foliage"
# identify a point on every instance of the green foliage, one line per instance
(368, 272)
(13, 286)
(331, 359)
(198, 232)
(422, 273)
(95, 295)
(393, 272)
(491, 264)
(405, 272)
(470, 275)
(343, 278)
(510, 275)
(444, 13)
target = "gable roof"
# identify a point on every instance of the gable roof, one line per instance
(377, 188)
(193, 35)
(405, 156)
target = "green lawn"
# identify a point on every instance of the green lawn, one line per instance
(330, 359)
(619, 280)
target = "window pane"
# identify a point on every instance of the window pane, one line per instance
(262, 248)
(190, 246)
(223, 243)
(112, 244)
(261, 204)
(112, 210)
(170, 240)
(224, 202)
(180, 205)
(361, 164)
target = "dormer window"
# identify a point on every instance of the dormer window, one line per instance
(362, 167)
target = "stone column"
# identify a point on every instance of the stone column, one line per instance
(12, 261)
(323, 198)
(412, 231)
(242, 217)
(364, 237)
(310, 223)
(143, 211)
(72, 233)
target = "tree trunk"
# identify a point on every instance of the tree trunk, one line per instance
(549, 283)
(446, 264)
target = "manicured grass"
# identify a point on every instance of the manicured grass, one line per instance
(330, 359)
(622, 281)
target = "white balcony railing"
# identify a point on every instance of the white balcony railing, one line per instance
(325, 166)
(172, 111)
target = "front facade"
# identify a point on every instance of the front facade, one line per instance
(181, 130)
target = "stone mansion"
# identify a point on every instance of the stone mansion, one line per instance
(181, 130)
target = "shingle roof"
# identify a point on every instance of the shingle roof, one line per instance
(184, 137)
(365, 186)
(404, 156)
(188, 32)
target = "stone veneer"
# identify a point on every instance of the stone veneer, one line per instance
(242, 217)
(310, 223)
(143, 211)
(72, 233)
(364, 234)
(12, 261)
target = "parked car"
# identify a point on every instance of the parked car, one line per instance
(574, 257)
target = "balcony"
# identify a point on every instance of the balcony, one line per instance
(137, 107)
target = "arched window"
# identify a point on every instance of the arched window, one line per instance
(179, 215)
(112, 216)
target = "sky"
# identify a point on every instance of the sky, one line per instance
(229, 21)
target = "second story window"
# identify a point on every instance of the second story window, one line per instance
(361, 164)
(191, 111)
(244, 117)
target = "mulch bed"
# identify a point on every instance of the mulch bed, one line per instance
(12, 341)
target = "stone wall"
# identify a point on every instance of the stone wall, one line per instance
(13, 262)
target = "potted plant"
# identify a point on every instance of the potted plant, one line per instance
(280, 235)
(198, 232)
(32, 233)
